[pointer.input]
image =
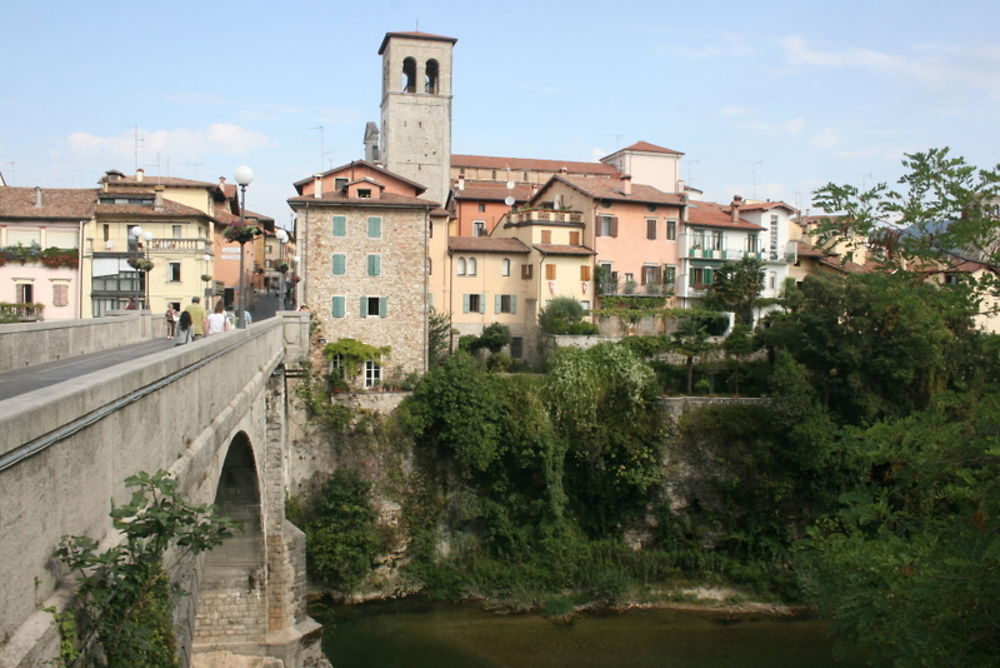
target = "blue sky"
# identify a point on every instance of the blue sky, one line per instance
(767, 100)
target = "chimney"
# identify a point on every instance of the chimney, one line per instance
(38, 197)
(139, 173)
(735, 206)
(222, 182)
(461, 181)
(158, 198)
(626, 184)
(317, 185)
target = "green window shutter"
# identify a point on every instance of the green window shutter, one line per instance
(482, 303)
(374, 265)
(708, 276)
(364, 306)
(340, 226)
(691, 277)
(339, 264)
(496, 303)
(337, 307)
(430, 300)
(383, 307)
(513, 304)
(465, 303)
(374, 227)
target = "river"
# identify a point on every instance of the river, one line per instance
(416, 633)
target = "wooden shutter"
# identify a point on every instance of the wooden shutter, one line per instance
(497, 303)
(374, 226)
(513, 304)
(374, 265)
(337, 307)
(482, 303)
(546, 236)
(383, 307)
(574, 238)
(339, 264)
(465, 303)
(584, 272)
(550, 272)
(340, 226)
(527, 271)
(651, 228)
(364, 307)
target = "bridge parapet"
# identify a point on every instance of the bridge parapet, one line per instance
(29, 343)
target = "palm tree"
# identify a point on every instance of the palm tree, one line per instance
(736, 286)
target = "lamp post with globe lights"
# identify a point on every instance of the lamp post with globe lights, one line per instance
(142, 263)
(282, 237)
(243, 176)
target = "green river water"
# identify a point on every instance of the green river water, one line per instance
(415, 633)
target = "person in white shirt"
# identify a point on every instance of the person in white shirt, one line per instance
(217, 322)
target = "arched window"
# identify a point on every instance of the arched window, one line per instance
(409, 75)
(505, 267)
(431, 77)
(472, 266)
(461, 266)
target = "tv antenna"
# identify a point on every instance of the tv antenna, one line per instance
(136, 143)
(618, 140)
(753, 167)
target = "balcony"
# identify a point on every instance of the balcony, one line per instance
(631, 288)
(546, 216)
(724, 255)
(156, 245)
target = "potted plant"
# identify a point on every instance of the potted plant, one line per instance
(241, 232)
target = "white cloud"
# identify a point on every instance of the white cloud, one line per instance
(224, 138)
(934, 66)
(826, 138)
(597, 153)
(735, 111)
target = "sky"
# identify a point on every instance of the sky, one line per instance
(768, 100)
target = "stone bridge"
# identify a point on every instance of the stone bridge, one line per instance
(215, 414)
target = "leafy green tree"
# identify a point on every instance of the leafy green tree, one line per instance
(341, 541)
(691, 339)
(121, 615)
(737, 285)
(909, 568)
(494, 337)
(559, 315)
(439, 335)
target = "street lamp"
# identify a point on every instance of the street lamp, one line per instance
(282, 237)
(138, 234)
(243, 176)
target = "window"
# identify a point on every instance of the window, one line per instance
(25, 293)
(574, 238)
(772, 280)
(373, 374)
(374, 265)
(106, 232)
(374, 227)
(751, 243)
(429, 265)
(669, 274)
(339, 226)
(431, 77)
(516, 347)
(338, 306)
(651, 228)
(481, 207)
(951, 279)
(505, 304)
(339, 264)
(671, 231)
(430, 229)
(717, 239)
(339, 184)
(651, 275)
(472, 266)
(697, 238)
(584, 272)
(460, 266)
(365, 193)
(585, 304)
(174, 272)
(479, 228)
(374, 307)
(607, 226)
(505, 267)
(60, 294)
(546, 236)
(527, 271)
(409, 75)
(774, 237)
(550, 272)
(701, 277)
(337, 366)
(474, 303)
(176, 230)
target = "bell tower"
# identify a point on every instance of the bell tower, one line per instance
(416, 109)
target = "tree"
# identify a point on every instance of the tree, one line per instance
(439, 333)
(909, 568)
(341, 541)
(946, 215)
(691, 340)
(560, 315)
(736, 286)
(121, 615)
(494, 337)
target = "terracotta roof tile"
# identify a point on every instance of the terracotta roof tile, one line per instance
(711, 214)
(493, 191)
(419, 187)
(563, 249)
(152, 181)
(611, 189)
(386, 200)
(486, 245)
(72, 203)
(531, 164)
(169, 208)
(766, 206)
(649, 148)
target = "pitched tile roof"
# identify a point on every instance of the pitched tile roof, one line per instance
(151, 181)
(486, 245)
(563, 249)
(419, 187)
(493, 191)
(67, 203)
(168, 208)
(766, 206)
(531, 164)
(649, 148)
(711, 214)
(386, 200)
(611, 189)
(415, 34)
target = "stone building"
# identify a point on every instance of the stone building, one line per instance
(363, 239)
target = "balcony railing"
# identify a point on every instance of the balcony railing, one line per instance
(156, 245)
(546, 216)
(625, 288)
(726, 254)
(20, 312)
